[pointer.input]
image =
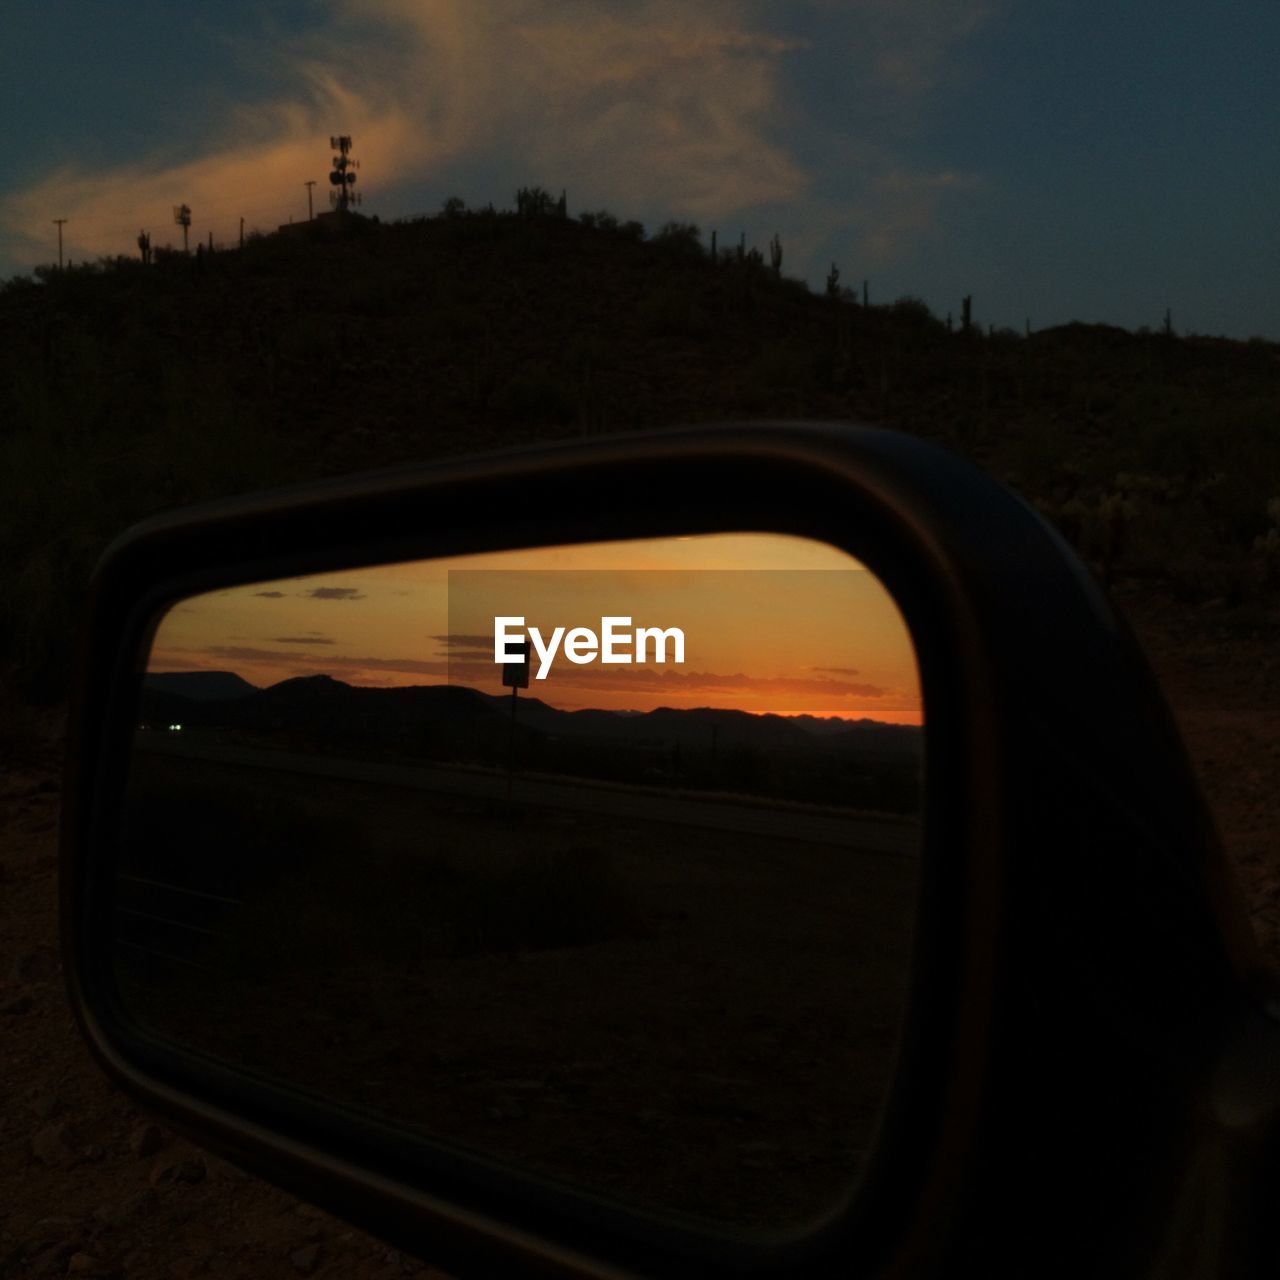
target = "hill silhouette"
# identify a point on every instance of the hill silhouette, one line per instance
(209, 699)
(137, 388)
(862, 762)
(201, 686)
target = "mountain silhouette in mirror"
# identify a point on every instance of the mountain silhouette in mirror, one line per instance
(859, 763)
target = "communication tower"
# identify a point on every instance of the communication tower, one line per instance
(182, 216)
(343, 177)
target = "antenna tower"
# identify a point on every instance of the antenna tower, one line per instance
(182, 216)
(343, 178)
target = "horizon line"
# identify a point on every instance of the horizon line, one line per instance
(630, 711)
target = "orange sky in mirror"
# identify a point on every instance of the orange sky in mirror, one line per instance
(805, 631)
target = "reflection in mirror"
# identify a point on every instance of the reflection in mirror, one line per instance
(634, 914)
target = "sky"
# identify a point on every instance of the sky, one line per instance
(771, 623)
(1057, 160)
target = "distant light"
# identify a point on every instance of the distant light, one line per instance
(175, 727)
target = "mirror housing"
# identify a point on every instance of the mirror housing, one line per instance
(1083, 977)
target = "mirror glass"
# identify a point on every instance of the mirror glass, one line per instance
(630, 908)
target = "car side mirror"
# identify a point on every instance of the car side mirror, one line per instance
(750, 850)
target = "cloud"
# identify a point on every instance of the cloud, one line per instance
(334, 593)
(666, 680)
(656, 107)
(625, 101)
(481, 643)
(270, 595)
(659, 98)
(183, 659)
(254, 170)
(838, 671)
(414, 666)
(689, 681)
(158, 660)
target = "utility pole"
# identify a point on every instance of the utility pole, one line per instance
(60, 221)
(309, 184)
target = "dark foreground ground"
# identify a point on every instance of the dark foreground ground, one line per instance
(91, 1186)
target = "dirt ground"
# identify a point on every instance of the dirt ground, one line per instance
(1220, 670)
(91, 1186)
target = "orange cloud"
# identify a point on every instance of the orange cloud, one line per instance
(620, 101)
(280, 664)
(666, 681)
(660, 98)
(258, 173)
(654, 107)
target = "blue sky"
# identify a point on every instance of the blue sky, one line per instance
(1056, 159)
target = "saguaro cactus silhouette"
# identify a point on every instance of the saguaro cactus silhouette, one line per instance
(775, 254)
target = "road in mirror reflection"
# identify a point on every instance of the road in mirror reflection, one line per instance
(643, 927)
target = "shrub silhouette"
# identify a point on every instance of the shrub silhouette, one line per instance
(680, 240)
